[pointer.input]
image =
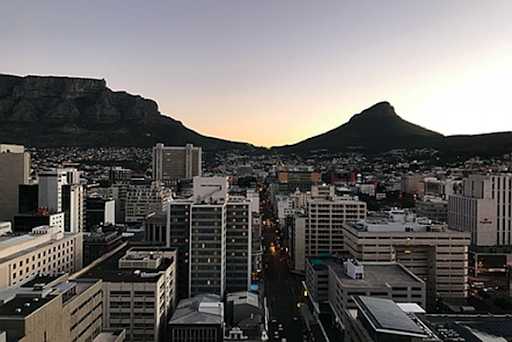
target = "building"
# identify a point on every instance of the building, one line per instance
(139, 292)
(412, 183)
(119, 175)
(28, 221)
(99, 243)
(45, 250)
(198, 319)
(336, 281)
(52, 308)
(142, 200)
(379, 319)
(28, 198)
(175, 162)
(213, 233)
(483, 208)
(60, 191)
(433, 208)
(244, 314)
(324, 226)
(14, 170)
(434, 253)
(100, 211)
(297, 236)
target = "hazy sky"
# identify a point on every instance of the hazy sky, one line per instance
(277, 72)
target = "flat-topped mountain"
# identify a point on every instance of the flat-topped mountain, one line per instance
(47, 111)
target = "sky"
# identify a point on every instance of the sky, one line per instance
(277, 72)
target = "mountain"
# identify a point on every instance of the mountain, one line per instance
(49, 111)
(379, 129)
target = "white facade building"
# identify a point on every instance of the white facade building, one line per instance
(483, 208)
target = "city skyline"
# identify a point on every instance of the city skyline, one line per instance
(278, 73)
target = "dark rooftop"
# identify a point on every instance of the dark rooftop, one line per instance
(109, 270)
(24, 306)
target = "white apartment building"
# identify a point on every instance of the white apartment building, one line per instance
(484, 209)
(45, 250)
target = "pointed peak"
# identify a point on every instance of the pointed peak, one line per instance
(380, 109)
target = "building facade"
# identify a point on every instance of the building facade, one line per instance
(176, 162)
(14, 170)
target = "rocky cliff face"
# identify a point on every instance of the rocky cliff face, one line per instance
(70, 100)
(45, 111)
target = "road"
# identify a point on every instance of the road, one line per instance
(283, 290)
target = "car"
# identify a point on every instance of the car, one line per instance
(276, 335)
(280, 327)
(295, 318)
(274, 319)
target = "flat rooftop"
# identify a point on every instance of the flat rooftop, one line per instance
(376, 274)
(109, 270)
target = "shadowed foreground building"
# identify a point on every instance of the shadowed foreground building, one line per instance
(52, 308)
(139, 292)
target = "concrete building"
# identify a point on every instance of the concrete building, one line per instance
(99, 243)
(60, 191)
(297, 236)
(433, 208)
(412, 183)
(52, 308)
(324, 227)
(28, 221)
(99, 211)
(434, 253)
(379, 319)
(198, 319)
(142, 200)
(14, 170)
(119, 175)
(175, 162)
(214, 235)
(139, 292)
(336, 281)
(483, 208)
(45, 250)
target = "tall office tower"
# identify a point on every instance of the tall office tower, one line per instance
(52, 308)
(173, 162)
(214, 235)
(434, 253)
(483, 208)
(73, 206)
(60, 191)
(14, 170)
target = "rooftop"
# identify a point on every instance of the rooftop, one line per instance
(386, 317)
(201, 309)
(109, 270)
(375, 274)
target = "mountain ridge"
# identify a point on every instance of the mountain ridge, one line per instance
(57, 111)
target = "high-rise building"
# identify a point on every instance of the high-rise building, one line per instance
(14, 170)
(483, 208)
(213, 233)
(176, 162)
